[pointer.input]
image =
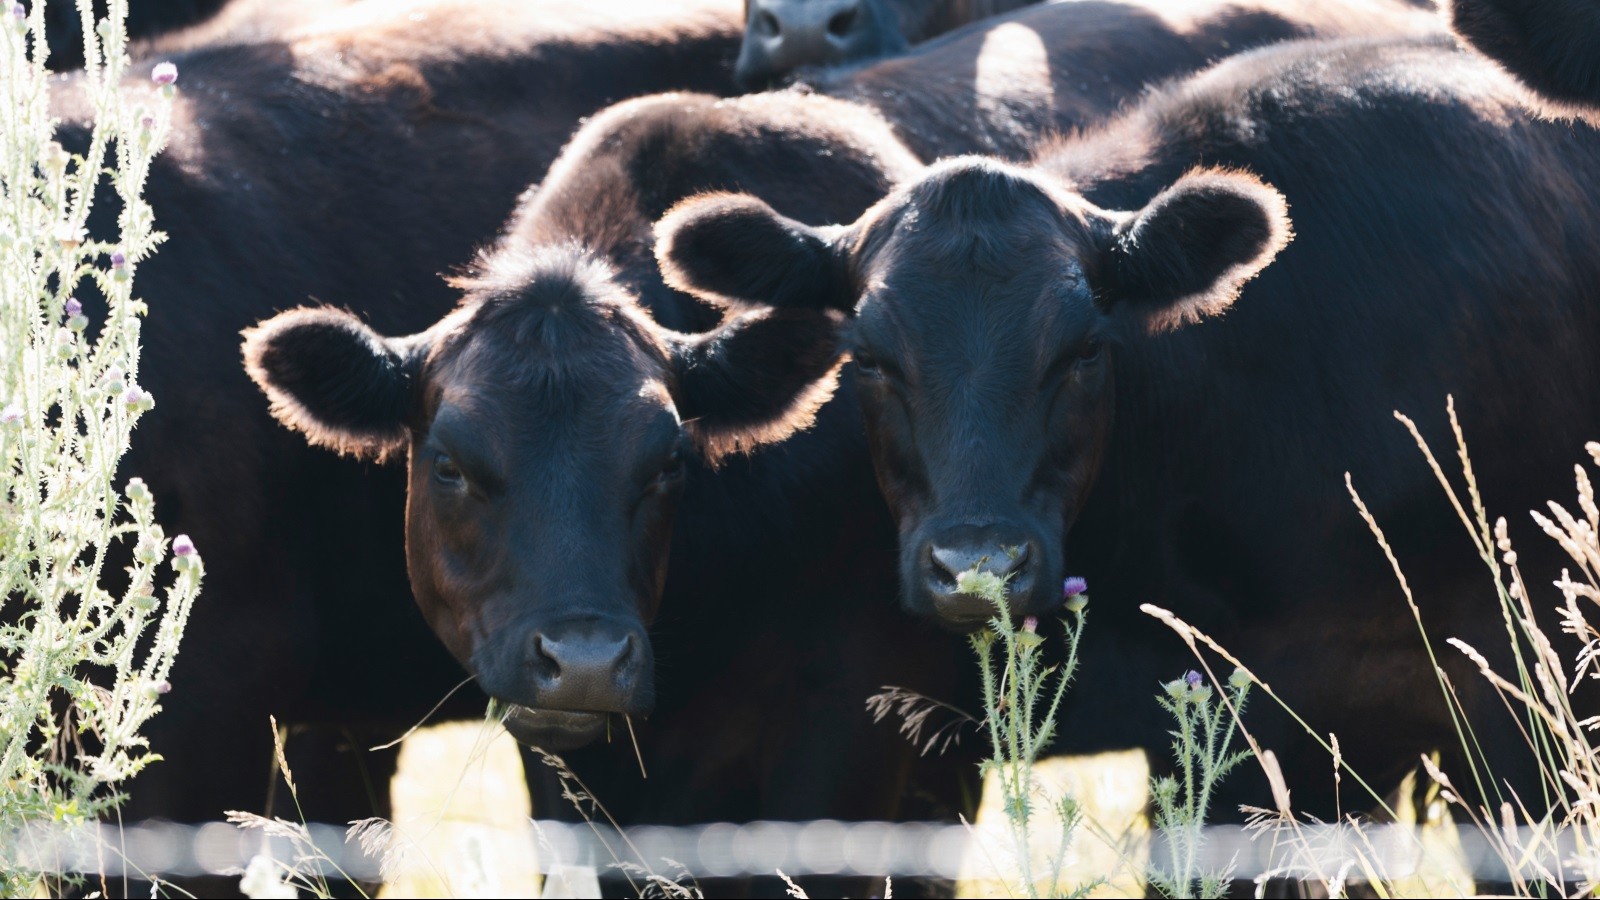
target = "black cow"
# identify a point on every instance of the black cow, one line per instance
(1043, 398)
(1552, 45)
(783, 35)
(355, 157)
(531, 542)
(620, 174)
(997, 86)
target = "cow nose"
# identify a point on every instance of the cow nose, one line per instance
(950, 562)
(971, 549)
(585, 671)
(794, 33)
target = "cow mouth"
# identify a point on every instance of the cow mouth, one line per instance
(555, 729)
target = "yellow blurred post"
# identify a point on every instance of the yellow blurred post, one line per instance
(1112, 842)
(1441, 863)
(462, 816)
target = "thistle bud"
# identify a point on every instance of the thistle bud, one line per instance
(1031, 624)
(148, 549)
(138, 400)
(1075, 591)
(137, 491)
(1240, 679)
(11, 415)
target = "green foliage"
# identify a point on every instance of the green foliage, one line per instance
(1202, 745)
(82, 667)
(1022, 693)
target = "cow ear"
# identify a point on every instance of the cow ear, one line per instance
(1552, 46)
(1189, 251)
(735, 250)
(756, 379)
(333, 379)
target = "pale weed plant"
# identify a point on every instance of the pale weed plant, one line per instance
(82, 667)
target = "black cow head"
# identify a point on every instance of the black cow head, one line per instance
(547, 422)
(987, 304)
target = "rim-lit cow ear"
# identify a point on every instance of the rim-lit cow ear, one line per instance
(1552, 46)
(1187, 253)
(758, 378)
(332, 378)
(734, 250)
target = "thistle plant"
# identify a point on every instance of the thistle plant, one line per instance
(1202, 745)
(1022, 694)
(82, 667)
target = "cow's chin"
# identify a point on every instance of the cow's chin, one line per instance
(555, 729)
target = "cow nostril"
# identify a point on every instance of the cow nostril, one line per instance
(766, 24)
(945, 567)
(1013, 560)
(630, 646)
(545, 657)
(843, 22)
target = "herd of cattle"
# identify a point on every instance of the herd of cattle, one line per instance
(1116, 289)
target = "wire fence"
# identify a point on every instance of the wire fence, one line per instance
(825, 847)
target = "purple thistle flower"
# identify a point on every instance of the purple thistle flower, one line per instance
(1073, 586)
(18, 11)
(73, 307)
(1194, 679)
(1030, 624)
(182, 546)
(118, 259)
(163, 686)
(147, 121)
(164, 74)
(12, 413)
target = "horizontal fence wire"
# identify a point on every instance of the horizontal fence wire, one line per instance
(825, 847)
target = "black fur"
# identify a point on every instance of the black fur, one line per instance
(1187, 253)
(569, 355)
(290, 179)
(757, 379)
(739, 251)
(333, 378)
(1553, 46)
(1441, 249)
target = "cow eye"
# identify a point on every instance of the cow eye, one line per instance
(672, 469)
(1091, 350)
(867, 364)
(445, 471)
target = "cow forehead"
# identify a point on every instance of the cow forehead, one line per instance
(973, 225)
